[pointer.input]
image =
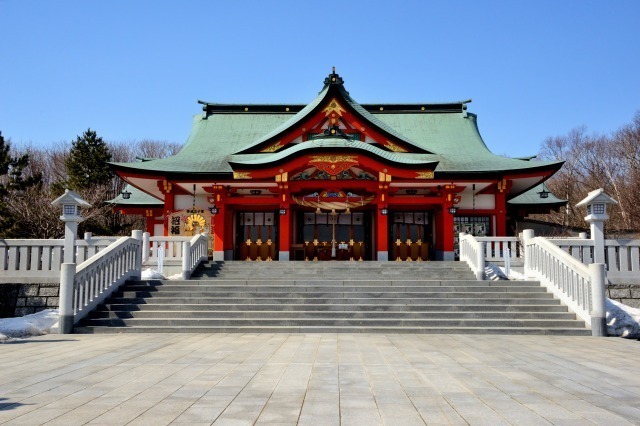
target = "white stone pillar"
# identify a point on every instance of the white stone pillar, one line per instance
(527, 237)
(597, 235)
(145, 247)
(186, 260)
(65, 304)
(137, 234)
(598, 308)
(70, 235)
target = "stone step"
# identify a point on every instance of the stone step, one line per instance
(441, 293)
(331, 322)
(184, 314)
(338, 300)
(308, 307)
(339, 276)
(220, 283)
(348, 329)
(336, 297)
(262, 289)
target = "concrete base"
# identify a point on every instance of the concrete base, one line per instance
(283, 256)
(445, 255)
(383, 256)
(218, 256)
(65, 324)
(598, 327)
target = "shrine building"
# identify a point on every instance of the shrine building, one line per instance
(335, 180)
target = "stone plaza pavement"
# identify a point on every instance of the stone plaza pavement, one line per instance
(316, 379)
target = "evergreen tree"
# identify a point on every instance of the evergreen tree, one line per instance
(13, 184)
(87, 162)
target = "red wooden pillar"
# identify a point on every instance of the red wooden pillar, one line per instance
(501, 214)
(228, 233)
(284, 227)
(444, 234)
(149, 220)
(169, 205)
(219, 233)
(382, 235)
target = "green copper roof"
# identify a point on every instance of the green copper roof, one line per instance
(137, 198)
(448, 136)
(211, 141)
(532, 196)
(335, 143)
(327, 93)
(455, 138)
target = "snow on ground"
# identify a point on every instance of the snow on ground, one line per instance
(28, 325)
(622, 320)
(152, 274)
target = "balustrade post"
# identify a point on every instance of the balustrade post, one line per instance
(186, 260)
(145, 248)
(137, 235)
(598, 310)
(65, 304)
(462, 247)
(480, 262)
(527, 236)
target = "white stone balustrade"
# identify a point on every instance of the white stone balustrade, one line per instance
(172, 248)
(579, 286)
(622, 257)
(194, 252)
(496, 248)
(83, 287)
(34, 260)
(472, 252)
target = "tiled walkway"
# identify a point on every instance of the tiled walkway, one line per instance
(319, 379)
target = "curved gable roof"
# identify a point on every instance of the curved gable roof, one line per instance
(333, 88)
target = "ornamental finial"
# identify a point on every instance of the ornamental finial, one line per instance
(333, 78)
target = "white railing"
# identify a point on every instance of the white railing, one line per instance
(472, 252)
(623, 260)
(186, 251)
(91, 245)
(622, 257)
(83, 287)
(97, 277)
(577, 285)
(172, 247)
(35, 259)
(195, 252)
(496, 249)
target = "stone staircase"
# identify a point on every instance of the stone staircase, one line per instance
(354, 297)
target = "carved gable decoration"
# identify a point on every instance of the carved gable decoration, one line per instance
(333, 164)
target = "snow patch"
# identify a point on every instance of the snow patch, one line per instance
(151, 274)
(494, 273)
(622, 320)
(29, 325)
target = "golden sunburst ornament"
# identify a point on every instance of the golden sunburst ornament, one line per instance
(193, 221)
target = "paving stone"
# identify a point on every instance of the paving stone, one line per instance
(276, 378)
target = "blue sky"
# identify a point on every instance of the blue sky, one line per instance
(134, 69)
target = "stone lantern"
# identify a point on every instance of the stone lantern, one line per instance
(596, 203)
(71, 203)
